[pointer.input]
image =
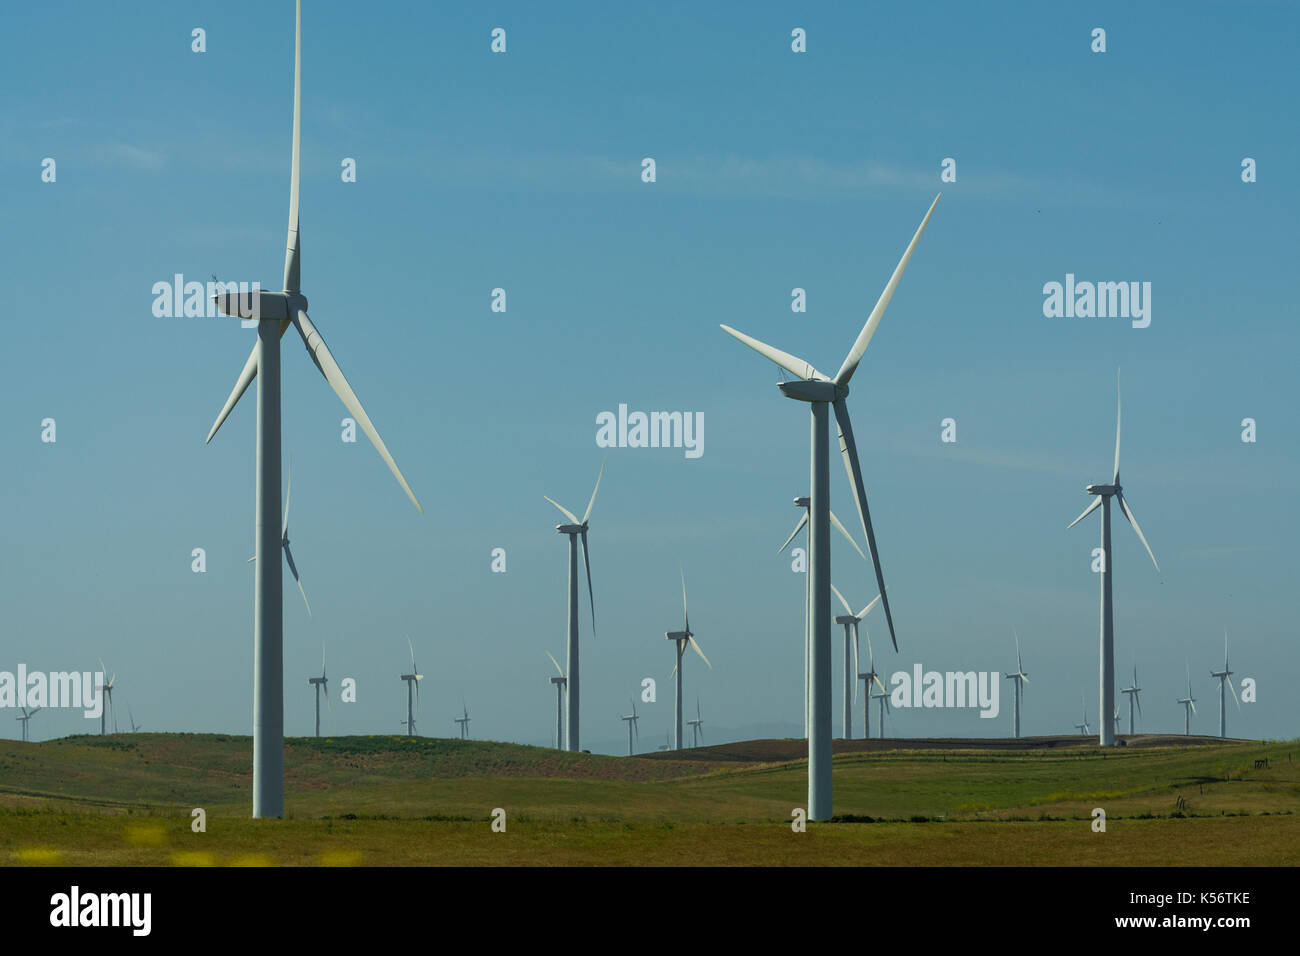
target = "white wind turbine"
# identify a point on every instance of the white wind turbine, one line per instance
(1225, 677)
(1133, 691)
(412, 696)
(851, 622)
(871, 679)
(463, 721)
(802, 502)
(1102, 500)
(822, 393)
(27, 714)
(1021, 678)
(696, 725)
(1083, 727)
(284, 545)
(883, 700)
(135, 728)
(576, 529)
(632, 728)
(106, 691)
(681, 639)
(275, 312)
(559, 683)
(321, 684)
(1189, 704)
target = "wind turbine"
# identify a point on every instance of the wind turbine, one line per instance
(803, 502)
(696, 725)
(135, 728)
(284, 544)
(559, 683)
(412, 697)
(463, 720)
(681, 639)
(1021, 678)
(883, 700)
(1083, 727)
(631, 720)
(1115, 720)
(321, 684)
(24, 717)
(870, 679)
(1102, 500)
(1189, 704)
(275, 312)
(823, 392)
(850, 622)
(1225, 677)
(106, 691)
(1134, 692)
(575, 529)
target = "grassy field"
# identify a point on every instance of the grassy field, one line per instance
(126, 799)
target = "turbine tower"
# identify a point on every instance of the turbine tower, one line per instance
(696, 725)
(1102, 500)
(850, 622)
(106, 691)
(632, 728)
(883, 700)
(1134, 692)
(575, 529)
(412, 697)
(275, 312)
(25, 716)
(822, 393)
(682, 638)
(1224, 677)
(802, 502)
(463, 720)
(321, 684)
(1189, 704)
(559, 683)
(1021, 678)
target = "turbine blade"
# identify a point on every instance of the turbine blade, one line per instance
(873, 320)
(863, 613)
(686, 615)
(329, 368)
(706, 660)
(803, 520)
(293, 569)
(1119, 401)
(1137, 699)
(586, 559)
(844, 531)
(791, 363)
(836, 592)
(856, 667)
(284, 530)
(556, 663)
(412, 647)
(1234, 692)
(325, 689)
(849, 450)
(590, 504)
(241, 385)
(1132, 519)
(573, 519)
(293, 250)
(1096, 503)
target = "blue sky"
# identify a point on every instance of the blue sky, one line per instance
(775, 170)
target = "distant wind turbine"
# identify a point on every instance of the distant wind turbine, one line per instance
(106, 691)
(632, 728)
(822, 393)
(1020, 678)
(696, 725)
(1083, 727)
(27, 714)
(1133, 691)
(883, 700)
(1189, 704)
(681, 639)
(321, 684)
(412, 696)
(851, 622)
(276, 311)
(463, 720)
(284, 543)
(559, 683)
(1225, 678)
(803, 503)
(871, 679)
(135, 728)
(1103, 495)
(576, 529)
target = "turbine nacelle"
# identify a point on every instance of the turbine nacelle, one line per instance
(679, 635)
(1106, 490)
(265, 306)
(571, 528)
(559, 680)
(808, 390)
(846, 619)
